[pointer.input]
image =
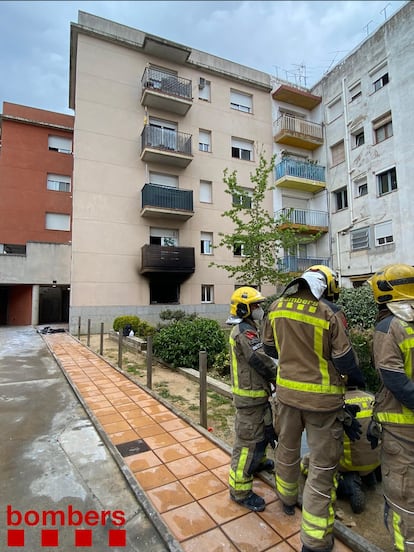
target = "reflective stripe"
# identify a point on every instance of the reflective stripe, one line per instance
(406, 348)
(398, 537)
(317, 527)
(310, 387)
(404, 418)
(237, 479)
(319, 326)
(286, 489)
(236, 390)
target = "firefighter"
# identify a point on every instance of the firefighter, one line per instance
(393, 412)
(359, 463)
(308, 334)
(252, 375)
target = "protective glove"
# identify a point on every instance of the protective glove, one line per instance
(351, 425)
(356, 380)
(270, 435)
(374, 433)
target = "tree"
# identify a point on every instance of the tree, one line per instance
(257, 233)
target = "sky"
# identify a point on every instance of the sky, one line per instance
(298, 41)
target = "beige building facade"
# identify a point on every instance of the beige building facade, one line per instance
(156, 125)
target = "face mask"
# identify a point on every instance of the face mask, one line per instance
(258, 314)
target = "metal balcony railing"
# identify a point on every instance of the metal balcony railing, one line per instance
(165, 139)
(299, 264)
(304, 217)
(167, 83)
(300, 169)
(296, 125)
(168, 259)
(156, 195)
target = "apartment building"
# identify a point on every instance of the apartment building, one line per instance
(35, 215)
(367, 110)
(156, 125)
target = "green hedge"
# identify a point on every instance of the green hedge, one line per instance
(141, 328)
(180, 342)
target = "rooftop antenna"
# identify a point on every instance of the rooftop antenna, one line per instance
(384, 11)
(302, 73)
(367, 25)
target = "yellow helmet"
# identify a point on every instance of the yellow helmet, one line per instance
(393, 283)
(241, 300)
(332, 285)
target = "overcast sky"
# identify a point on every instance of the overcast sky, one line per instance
(294, 40)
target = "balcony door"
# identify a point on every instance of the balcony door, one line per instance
(169, 180)
(163, 133)
(164, 236)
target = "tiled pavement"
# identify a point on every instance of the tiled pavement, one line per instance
(176, 469)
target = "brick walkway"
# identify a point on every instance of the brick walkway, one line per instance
(174, 466)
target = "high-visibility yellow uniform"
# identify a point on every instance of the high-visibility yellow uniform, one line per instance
(358, 456)
(314, 352)
(252, 373)
(393, 351)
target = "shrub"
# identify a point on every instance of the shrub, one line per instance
(361, 340)
(180, 342)
(139, 327)
(359, 306)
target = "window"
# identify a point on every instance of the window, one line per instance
(242, 149)
(206, 243)
(358, 138)
(381, 82)
(204, 90)
(241, 101)
(60, 144)
(239, 250)
(341, 198)
(338, 153)
(387, 181)
(57, 221)
(204, 140)
(206, 191)
(355, 92)
(382, 128)
(383, 233)
(58, 183)
(361, 187)
(207, 293)
(335, 109)
(163, 236)
(166, 292)
(244, 198)
(360, 239)
(169, 180)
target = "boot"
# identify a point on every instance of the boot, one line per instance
(252, 501)
(288, 510)
(357, 497)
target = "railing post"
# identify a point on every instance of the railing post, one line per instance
(120, 338)
(88, 339)
(149, 362)
(79, 327)
(202, 355)
(101, 339)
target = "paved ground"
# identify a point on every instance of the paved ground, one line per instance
(52, 458)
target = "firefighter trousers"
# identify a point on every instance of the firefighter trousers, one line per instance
(249, 449)
(398, 486)
(324, 433)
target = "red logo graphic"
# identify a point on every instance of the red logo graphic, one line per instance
(70, 518)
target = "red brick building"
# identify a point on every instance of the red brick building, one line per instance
(36, 168)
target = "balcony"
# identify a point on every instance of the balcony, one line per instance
(296, 96)
(162, 145)
(298, 264)
(166, 202)
(300, 175)
(297, 132)
(305, 220)
(166, 91)
(167, 260)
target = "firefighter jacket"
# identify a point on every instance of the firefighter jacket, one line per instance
(358, 456)
(393, 353)
(252, 371)
(314, 352)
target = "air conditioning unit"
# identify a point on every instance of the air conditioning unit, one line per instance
(202, 83)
